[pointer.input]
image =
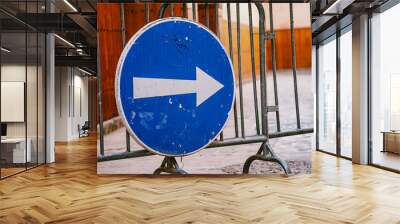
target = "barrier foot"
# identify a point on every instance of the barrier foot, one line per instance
(169, 165)
(265, 153)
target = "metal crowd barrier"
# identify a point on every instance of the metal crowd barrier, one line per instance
(265, 153)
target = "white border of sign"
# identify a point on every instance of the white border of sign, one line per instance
(118, 76)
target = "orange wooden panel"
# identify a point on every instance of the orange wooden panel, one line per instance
(284, 49)
(211, 16)
(135, 15)
(303, 40)
(135, 18)
(110, 41)
(110, 47)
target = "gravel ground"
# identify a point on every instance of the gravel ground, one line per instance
(229, 160)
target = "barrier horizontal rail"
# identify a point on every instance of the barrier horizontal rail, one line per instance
(226, 142)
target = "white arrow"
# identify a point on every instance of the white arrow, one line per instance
(204, 86)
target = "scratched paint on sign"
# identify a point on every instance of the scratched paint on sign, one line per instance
(174, 86)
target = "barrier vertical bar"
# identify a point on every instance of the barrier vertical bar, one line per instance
(184, 10)
(122, 15)
(239, 57)
(147, 12)
(273, 59)
(296, 95)
(231, 56)
(163, 7)
(100, 102)
(263, 82)
(216, 15)
(194, 11)
(253, 69)
(207, 11)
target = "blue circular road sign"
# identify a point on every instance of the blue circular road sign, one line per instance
(174, 86)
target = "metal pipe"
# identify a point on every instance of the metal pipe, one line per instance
(273, 58)
(122, 18)
(100, 102)
(253, 70)
(231, 56)
(227, 142)
(194, 11)
(184, 10)
(296, 97)
(128, 141)
(239, 56)
(123, 36)
(147, 12)
(216, 19)
(263, 82)
(221, 135)
(162, 9)
(206, 9)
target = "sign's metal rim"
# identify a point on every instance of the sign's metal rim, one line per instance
(118, 76)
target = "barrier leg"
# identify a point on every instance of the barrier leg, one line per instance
(265, 153)
(169, 165)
